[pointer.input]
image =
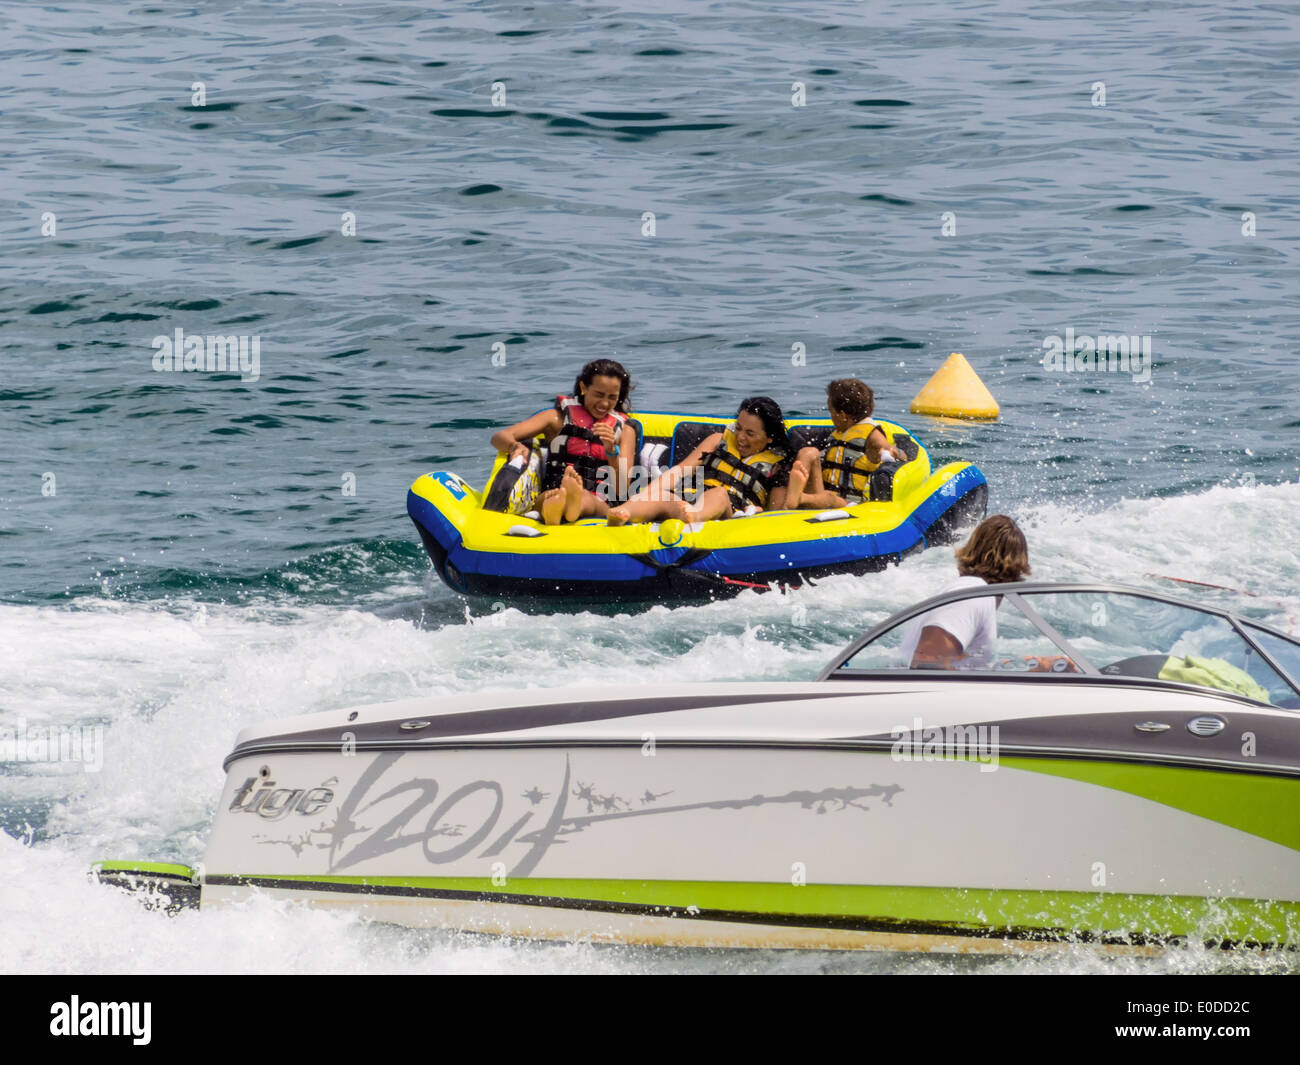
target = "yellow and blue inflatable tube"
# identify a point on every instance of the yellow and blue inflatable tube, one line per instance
(507, 556)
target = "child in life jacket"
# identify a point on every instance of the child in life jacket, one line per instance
(584, 434)
(840, 475)
(736, 467)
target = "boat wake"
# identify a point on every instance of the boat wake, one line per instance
(171, 683)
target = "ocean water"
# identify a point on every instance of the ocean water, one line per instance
(179, 557)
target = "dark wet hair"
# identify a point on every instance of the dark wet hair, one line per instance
(768, 412)
(851, 397)
(606, 368)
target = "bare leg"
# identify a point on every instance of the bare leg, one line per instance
(664, 488)
(641, 510)
(593, 506)
(817, 496)
(799, 474)
(823, 500)
(713, 503)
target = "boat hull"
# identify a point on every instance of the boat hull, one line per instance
(763, 845)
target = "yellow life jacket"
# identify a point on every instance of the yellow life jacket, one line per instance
(747, 481)
(846, 466)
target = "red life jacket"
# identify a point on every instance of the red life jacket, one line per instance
(577, 446)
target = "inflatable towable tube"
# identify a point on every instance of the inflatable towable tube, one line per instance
(487, 544)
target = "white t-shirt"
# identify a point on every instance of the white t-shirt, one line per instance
(973, 623)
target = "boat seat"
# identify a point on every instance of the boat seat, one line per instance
(882, 480)
(640, 433)
(1146, 666)
(802, 436)
(688, 436)
(654, 456)
(906, 445)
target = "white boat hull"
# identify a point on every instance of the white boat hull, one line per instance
(757, 845)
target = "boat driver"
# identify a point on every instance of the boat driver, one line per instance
(963, 635)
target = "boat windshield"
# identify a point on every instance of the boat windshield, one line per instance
(1285, 654)
(1094, 631)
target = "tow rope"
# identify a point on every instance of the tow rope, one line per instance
(703, 576)
(1224, 588)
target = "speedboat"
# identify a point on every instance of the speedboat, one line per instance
(1124, 772)
(492, 543)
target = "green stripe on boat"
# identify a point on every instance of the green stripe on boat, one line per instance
(970, 911)
(1260, 805)
(145, 868)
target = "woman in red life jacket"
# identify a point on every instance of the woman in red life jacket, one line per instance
(591, 446)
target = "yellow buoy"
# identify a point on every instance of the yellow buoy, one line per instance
(955, 391)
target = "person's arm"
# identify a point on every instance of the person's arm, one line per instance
(620, 449)
(517, 440)
(878, 442)
(936, 649)
(672, 476)
(696, 457)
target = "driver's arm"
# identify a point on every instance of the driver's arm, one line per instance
(936, 649)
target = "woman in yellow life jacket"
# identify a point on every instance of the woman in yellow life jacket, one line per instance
(839, 477)
(736, 467)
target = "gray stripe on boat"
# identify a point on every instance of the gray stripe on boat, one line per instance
(519, 718)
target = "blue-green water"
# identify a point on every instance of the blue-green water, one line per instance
(178, 555)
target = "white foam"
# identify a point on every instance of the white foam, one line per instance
(173, 685)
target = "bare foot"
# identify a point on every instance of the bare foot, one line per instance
(794, 489)
(618, 516)
(572, 486)
(552, 507)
